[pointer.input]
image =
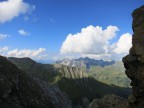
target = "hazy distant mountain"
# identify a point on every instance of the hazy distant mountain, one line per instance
(85, 62)
(76, 83)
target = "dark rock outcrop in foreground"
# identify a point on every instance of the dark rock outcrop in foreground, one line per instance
(134, 62)
(108, 101)
(19, 90)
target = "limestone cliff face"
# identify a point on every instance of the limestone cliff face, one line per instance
(134, 62)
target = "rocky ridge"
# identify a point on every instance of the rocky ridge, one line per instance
(84, 62)
(19, 90)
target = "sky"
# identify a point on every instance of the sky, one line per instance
(47, 30)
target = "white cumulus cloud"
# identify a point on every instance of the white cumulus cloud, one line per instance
(12, 8)
(97, 43)
(3, 36)
(123, 45)
(23, 32)
(91, 40)
(34, 54)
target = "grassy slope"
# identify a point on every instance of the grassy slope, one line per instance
(113, 74)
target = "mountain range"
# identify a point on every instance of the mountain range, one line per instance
(109, 72)
(84, 62)
(79, 85)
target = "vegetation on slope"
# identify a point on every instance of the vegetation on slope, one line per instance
(109, 72)
(113, 74)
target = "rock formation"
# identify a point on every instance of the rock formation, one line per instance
(108, 101)
(134, 62)
(85, 63)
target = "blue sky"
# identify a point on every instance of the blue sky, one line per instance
(43, 26)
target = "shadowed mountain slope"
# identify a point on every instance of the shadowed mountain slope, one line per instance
(19, 90)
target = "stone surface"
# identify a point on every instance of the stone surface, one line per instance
(108, 101)
(134, 62)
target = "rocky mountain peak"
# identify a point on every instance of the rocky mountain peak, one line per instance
(134, 61)
(23, 60)
(85, 62)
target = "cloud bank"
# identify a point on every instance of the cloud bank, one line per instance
(97, 43)
(37, 54)
(12, 8)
